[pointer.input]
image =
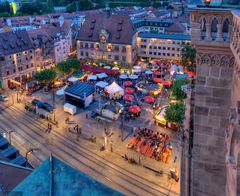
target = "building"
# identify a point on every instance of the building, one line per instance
(161, 46)
(210, 162)
(17, 58)
(107, 37)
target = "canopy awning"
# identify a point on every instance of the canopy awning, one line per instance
(92, 77)
(134, 109)
(101, 84)
(102, 75)
(133, 77)
(72, 79)
(123, 77)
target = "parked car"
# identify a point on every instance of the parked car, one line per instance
(47, 107)
(3, 98)
(36, 102)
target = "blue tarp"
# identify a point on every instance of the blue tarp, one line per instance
(80, 89)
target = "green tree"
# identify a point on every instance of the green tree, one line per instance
(73, 63)
(46, 76)
(176, 89)
(175, 113)
(68, 66)
(188, 55)
(5, 14)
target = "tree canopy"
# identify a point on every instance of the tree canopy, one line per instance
(175, 113)
(176, 89)
(46, 76)
(68, 66)
(188, 55)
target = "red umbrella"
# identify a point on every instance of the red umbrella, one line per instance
(129, 90)
(191, 74)
(128, 97)
(158, 73)
(157, 80)
(134, 109)
(149, 99)
(167, 83)
(128, 83)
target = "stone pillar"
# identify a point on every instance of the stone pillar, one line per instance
(208, 32)
(212, 103)
(219, 32)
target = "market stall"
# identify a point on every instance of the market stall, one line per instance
(114, 90)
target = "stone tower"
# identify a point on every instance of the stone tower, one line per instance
(212, 167)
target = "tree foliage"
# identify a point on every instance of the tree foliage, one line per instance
(68, 66)
(176, 89)
(188, 55)
(175, 113)
(46, 76)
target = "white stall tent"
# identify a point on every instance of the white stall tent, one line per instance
(92, 77)
(102, 75)
(114, 89)
(69, 108)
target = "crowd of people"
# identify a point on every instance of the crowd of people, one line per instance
(152, 144)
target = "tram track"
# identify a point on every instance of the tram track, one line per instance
(130, 178)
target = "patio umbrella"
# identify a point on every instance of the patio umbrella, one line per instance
(191, 74)
(148, 72)
(167, 83)
(128, 97)
(102, 75)
(107, 67)
(72, 79)
(158, 73)
(134, 109)
(128, 83)
(115, 68)
(133, 77)
(123, 77)
(60, 92)
(129, 90)
(92, 77)
(149, 99)
(157, 80)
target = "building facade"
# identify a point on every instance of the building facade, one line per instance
(17, 58)
(210, 157)
(107, 38)
(161, 46)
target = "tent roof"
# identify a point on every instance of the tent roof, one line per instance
(80, 89)
(101, 84)
(114, 88)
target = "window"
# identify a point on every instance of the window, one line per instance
(173, 48)
(10, 56)
(26, 58)
(31, 57)
(27, 66)
(30, 51)
(178, 49)
(155, 53)
(164, 48)
(159, 47)
(159, 54)
(86, 45)
(31, 64)
(13, 62)
(173, 42)
(7, 72)
(86, 54)
(150, 52)
(117, 48)
(169, 48)
(81, 53)
(81, 44)
(14, 70)
(150, 47)
(155, 47)
(92, 46)
(168, 54)
(173, 55)
(109, 57)
(116, 58)
(123, 58)
(163, 54)
(124, 49)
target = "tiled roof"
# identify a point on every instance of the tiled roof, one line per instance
(176, 28)
(119, 27)
(11, 175)
(67, 181)
(13, 42)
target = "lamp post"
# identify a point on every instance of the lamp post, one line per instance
(29, 152)
(207, 2)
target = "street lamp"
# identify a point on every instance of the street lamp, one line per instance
(29, 152)
(207, 2)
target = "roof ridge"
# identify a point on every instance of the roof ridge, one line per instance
(14, 165)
